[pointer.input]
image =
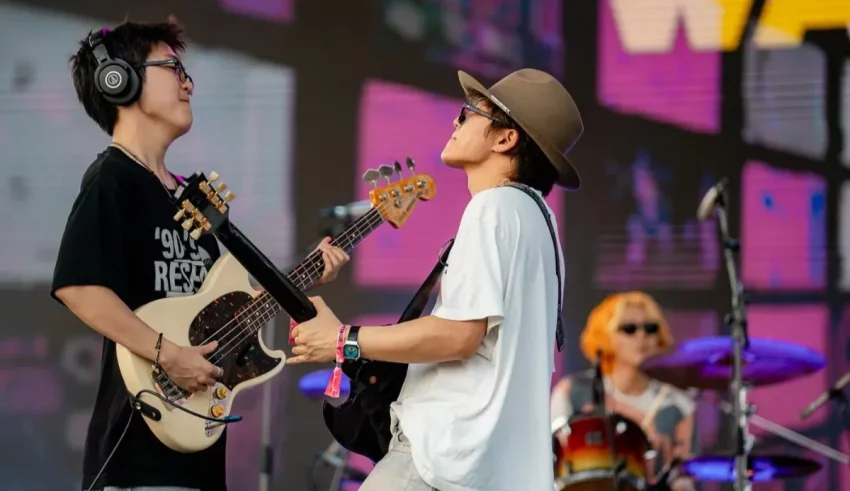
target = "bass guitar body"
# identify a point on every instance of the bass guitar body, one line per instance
(220, 311)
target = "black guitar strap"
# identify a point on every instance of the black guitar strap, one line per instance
(559, 330)
(417, 304)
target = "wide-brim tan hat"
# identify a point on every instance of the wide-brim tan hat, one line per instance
(543, 108)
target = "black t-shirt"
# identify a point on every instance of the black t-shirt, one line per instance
(121, 234)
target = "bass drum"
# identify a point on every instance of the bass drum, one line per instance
(583, 454)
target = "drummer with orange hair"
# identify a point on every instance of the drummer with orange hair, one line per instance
(627, 328)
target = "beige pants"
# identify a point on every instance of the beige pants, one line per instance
(396, 472)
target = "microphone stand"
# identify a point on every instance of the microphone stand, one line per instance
(599, 402)
(737, 320)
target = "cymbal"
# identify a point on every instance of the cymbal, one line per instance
(313, 384)
(706, 363)
(760, 468)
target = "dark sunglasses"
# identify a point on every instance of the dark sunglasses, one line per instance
(469, 107)
(630, 329)
(174, 64)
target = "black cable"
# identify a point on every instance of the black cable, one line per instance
(103, 467)
(136, 405)
(223, 420)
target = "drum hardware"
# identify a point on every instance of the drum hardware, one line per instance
(788, 434)
(313, 387)
(599, 404)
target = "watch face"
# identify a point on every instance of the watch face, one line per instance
(351, 352)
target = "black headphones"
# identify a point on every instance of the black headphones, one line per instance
(114, 78)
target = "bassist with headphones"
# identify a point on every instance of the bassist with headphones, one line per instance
(121, 249)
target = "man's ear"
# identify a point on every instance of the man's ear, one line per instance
(506, 141)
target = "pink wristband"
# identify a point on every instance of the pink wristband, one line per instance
(335, 382)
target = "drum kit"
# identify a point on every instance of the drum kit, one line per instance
(604, 451)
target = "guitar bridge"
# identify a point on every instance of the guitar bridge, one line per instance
(168, 389)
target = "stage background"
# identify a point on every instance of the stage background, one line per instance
(295, 99)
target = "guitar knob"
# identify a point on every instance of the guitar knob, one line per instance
(220, 393)
(188, 224)
(213, 176)
(217, 411)
(196, 234)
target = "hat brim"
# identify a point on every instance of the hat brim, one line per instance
(567, 174)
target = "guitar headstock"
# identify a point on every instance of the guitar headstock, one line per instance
(202, 207)
(396, 200)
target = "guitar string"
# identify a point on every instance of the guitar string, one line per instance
(306, 267)
(261, 303)
(266, 300)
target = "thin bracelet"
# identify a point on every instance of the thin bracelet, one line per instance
(158, 349)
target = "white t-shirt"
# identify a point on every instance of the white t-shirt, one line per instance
(483, 423)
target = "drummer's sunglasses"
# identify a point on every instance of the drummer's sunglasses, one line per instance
(631, 329)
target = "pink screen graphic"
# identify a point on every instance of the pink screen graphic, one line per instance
(783, 229)
(680, 86)
(806, 325)
(281, 11)
(397, 121)
(686, 325)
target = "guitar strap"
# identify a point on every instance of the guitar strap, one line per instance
(417, 304)
(559, 329)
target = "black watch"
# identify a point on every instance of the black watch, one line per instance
(351, 348)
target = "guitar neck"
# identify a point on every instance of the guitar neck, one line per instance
(306, 273)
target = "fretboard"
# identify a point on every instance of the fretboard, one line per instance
(307, 272)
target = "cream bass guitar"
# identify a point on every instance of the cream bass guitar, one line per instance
(229, 310)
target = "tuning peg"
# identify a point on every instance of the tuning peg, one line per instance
(196, 234)
(386, 172)
(221, 187)
(213, 176)
(187, 224)
(372, 176)
(179, 215)
(411, 165)
(229, 196)
(397, 168)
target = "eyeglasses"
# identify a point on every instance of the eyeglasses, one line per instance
(469, 107)
(650, 328)
(174, 64)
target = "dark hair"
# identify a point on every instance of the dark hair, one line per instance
(532, 166)
(131, 42)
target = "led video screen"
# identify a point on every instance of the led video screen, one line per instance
(783, 229)
(398, 121)
(784, 100)
(648, 65)
(242, 129)
(485, 37)
(281, 11)
(804, 325)
(646, 230)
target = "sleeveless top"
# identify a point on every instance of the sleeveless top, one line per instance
(667, 430)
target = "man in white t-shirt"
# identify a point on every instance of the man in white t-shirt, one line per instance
(473, 414)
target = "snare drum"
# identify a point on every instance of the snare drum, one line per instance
(583, 454)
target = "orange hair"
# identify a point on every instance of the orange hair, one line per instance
(605, 318)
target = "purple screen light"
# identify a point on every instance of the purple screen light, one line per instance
(679, 86)
(783, 229)
(397, 121)
(808, 326)
(281, 11)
